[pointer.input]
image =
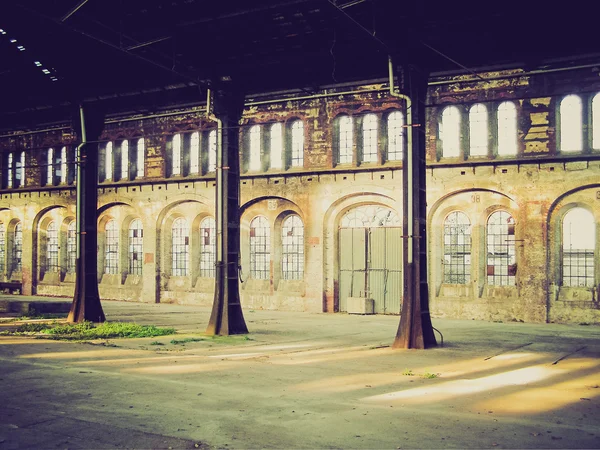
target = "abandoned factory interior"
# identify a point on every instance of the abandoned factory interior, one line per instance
(510, 144)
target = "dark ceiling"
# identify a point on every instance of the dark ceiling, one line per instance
(142, 55)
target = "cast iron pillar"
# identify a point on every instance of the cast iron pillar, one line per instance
(227, 317)
(415, 329)
(86, 301)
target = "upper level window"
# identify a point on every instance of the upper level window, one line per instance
(571, 130)
(9, 170)
(195, 153)
(208, 247)
(2, 249)
(255, 138)
(457, 248)
(17, 248)
(292, 252)
(449, 132)
(125, 160)
(62, 166)
(50, 167)
(478, 130)
(276, 147)
(579, 244)
(345, 141)
(111, 248)
(596, 122)
(395, 129)
(501, 255)
(71, 247)
(180, 245)
(141, 157)
(370, 126)
(52, 248)
(297, 143)
(260, 248)
(176, 155)
(108, 161)
(507, 129)
(212, 150)
(20, 171)
(136, 247)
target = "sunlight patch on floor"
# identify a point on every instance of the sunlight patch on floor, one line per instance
(455, 388)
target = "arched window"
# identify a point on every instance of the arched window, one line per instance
(212, 150)
(571, 129)
(369, 138)
(62, 172)
(135, 247)
(50, 167)
(370, 216)
(52, 248)
(507, 129)
(292, 240)
(125, 160)
(2, 249)
(579, 244)
(180, 247)
(450, 132)
(9, 170)
(108, 161)
(17, 248)
(478, 130)
(208, 247)
(195, 152)
(596, 122)
(255, 138)
(297, 143)
(501, 257)
(276, 147)
(457, 248)
(260, 248)
(141, 157)
(395, 129)
(20, 171)
(111, 248)
(71, 247)
(345, 140)
(176, 155)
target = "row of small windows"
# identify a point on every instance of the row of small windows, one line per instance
(578, 248)
(479, 142)
(576, 125)
(375, 140)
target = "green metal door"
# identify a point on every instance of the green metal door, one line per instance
(370, 265)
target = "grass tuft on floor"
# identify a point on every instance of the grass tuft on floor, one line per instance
(88, 330)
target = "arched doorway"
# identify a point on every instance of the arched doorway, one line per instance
(370, 252)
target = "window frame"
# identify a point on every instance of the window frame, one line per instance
(260, 248)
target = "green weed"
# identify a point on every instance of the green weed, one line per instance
(430, 375)
(186, 341)
(408, 372)
(87, 330)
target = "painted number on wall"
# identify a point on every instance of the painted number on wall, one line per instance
(475, 198)
(598, 195)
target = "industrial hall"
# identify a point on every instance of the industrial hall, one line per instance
(318, 156)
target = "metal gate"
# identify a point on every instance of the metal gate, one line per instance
(371, 264)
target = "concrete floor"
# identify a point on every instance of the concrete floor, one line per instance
(303, 381)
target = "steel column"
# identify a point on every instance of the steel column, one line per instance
(227, 317)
